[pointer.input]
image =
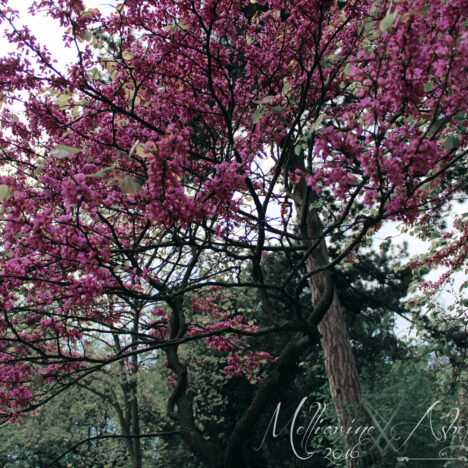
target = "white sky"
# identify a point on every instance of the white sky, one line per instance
(48, 30)
(417, 247)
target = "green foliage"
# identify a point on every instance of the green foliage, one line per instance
(61, 424)
(405, 396)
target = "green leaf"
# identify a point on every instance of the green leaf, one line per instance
(428, 86)
(317, 204)
(437, 125)
(93, 74)
(130, 186)
(257, 115)
(5, 192)
(308, 139)
(279, 109)
(387, 21)
(373, 9)
(265, 100)
(327, 62)
(286, 88)
(87, 36)
(317, 123)
(347, 69)
(297, 150)
(140, 149)
(103, 172)
(452, 142)
(127, 55)
(368, 26)
(40, 167)
(64, 151)
(63, 101)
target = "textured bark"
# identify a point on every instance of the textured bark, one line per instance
(340, 362)
(342, 372)
(137, 456)
(129, 414)
(203, 449)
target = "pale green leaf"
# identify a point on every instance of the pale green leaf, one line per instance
(130, 186)
(64, 151)
(279, 109)
(5, 192)
(257, 115)
(265, 100)
(452, 142)
(387, 21)
(428, 86)
(317, 123)
(286, 88)
(103, 172)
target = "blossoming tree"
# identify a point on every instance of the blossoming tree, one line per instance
(190, 137)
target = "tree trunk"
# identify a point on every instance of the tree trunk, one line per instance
(342, 373)
(340, 363)
(129, 418)
(137, 456)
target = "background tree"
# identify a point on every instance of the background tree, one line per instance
(64, 423)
